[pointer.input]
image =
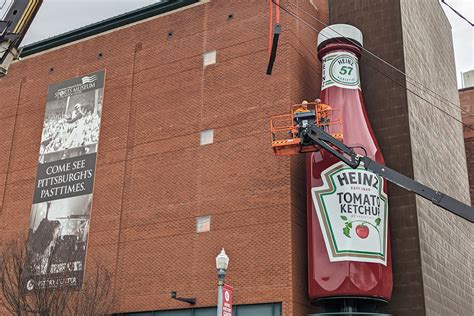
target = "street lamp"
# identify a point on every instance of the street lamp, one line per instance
(222, 262)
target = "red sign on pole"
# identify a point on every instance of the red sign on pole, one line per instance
(227, 300)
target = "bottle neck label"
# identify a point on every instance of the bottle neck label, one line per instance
(352, 207)
(340, 69)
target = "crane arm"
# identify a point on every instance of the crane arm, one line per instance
(436, 197)
(13, 28)
(313, 135)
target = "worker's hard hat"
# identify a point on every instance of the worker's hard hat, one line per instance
(304, 102)
(78, 105)
(318, 100)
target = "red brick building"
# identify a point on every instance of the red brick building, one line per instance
(154, 178)
(466, 97)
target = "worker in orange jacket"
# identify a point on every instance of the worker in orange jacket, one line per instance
(302, 108)
(301, 120)
(323, 112)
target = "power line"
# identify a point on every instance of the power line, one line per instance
(385, 62)
(460, 15)
(408, 79)
(419, 96)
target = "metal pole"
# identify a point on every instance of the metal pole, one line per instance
(220, 285)
(219, 300)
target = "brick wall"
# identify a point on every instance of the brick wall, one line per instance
(305, 83)
(431, 249)
(446, 241)
(152, 176)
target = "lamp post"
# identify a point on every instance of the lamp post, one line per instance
(222, 262)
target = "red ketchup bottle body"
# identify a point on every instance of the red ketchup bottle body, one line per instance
(348, 235)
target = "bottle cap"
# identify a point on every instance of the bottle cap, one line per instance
(340, 31)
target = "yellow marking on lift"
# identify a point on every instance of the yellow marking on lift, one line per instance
(26, 15)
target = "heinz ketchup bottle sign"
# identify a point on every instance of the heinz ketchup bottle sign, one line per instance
(340, 69)
(351, 206)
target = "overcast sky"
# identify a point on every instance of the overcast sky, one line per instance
(463, 34)
(59, 16)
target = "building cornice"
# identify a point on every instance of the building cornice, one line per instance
(105, 25)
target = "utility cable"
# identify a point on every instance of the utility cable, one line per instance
(419, 96)
(409, 80)
(460, 15)
(391, 66)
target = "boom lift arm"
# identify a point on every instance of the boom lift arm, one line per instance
(13, 28)
(316, 136)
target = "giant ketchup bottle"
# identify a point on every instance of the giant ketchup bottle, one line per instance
(349, 258)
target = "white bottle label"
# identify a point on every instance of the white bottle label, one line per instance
(340, 69)
(352, 207)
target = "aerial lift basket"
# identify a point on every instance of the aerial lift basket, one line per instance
(286, 140)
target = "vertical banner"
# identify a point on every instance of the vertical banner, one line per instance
(60, 214)
(227, 300)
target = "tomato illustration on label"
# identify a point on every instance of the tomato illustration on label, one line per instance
(362, 231)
